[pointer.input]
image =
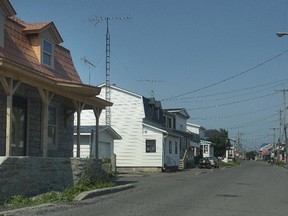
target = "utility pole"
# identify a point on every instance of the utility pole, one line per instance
(280, 134)
(285, 125)
(274, 141)
(96, 20)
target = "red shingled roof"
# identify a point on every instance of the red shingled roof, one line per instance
(17, 48)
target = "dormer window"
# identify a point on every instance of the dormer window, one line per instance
(47, 53)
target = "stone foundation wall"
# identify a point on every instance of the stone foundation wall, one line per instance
(30, 176)
(139, 169)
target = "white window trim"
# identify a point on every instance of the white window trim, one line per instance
(52, 53)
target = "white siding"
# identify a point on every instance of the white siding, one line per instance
(181, 124)
(127, 115)
(152, 159)
(193, 128)
(105, 145)
(171, 158)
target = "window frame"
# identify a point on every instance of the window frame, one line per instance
(150, 146)
(170, 147)
(176, 148)
(47, 53)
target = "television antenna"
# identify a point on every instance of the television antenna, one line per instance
(107, 19)
(89, 64)
(152, 82)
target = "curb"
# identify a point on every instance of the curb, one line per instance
(82, 196)
(9, 212)
(98, 192)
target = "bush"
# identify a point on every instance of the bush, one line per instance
(229, 164)
(280, 163)
(66, 195)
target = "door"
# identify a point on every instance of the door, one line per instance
(18, 128)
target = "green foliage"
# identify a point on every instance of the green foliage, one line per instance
(221, 141)
(229, 164)
(251, 155)
(19, 200)
(66, 195)
(280, 163)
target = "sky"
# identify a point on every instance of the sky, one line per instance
(220, 60)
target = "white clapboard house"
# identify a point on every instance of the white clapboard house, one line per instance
(145, 145)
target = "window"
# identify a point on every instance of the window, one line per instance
(205, 149)
(174, 123)
(176, 148)
(52, 127)
(170, 147)
(169, 122)
(150, 146)
(47, 53)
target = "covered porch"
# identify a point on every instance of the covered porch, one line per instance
(37, 112)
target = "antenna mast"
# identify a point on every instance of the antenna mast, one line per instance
(96, 20)
(152, 86)
(90, 64)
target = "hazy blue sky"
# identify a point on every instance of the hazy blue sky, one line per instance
(221, 56)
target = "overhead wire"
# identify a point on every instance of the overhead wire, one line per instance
(229, 78)
(233, 116)
(233, 102)
(281, 82)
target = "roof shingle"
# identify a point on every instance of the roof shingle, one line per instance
(18, 49)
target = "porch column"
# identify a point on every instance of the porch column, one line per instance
(79, 107)
(97, 111)
(10, 89)
(46, 99)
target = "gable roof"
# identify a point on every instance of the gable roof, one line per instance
(103, 85)
(7, 7)
(102, 128)
(180, 111)
(37, 28)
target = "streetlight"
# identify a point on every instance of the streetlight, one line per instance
(281, 34)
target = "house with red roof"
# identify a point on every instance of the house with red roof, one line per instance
(40, 90)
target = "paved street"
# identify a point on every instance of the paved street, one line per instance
(254, 188)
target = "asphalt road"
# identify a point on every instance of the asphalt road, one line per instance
(253, 189)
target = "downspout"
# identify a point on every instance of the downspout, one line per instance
(163, 150)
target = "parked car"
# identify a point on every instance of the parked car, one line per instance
(204, 163)
(214, 162)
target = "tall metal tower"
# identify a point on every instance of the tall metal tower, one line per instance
(96, 20)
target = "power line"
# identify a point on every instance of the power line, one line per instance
(231, 103)
(229, 78)
(186, 99)
(233, 116)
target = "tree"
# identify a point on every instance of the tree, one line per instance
(251, 155)
(221, 141)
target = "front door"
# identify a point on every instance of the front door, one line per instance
(18, 130)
